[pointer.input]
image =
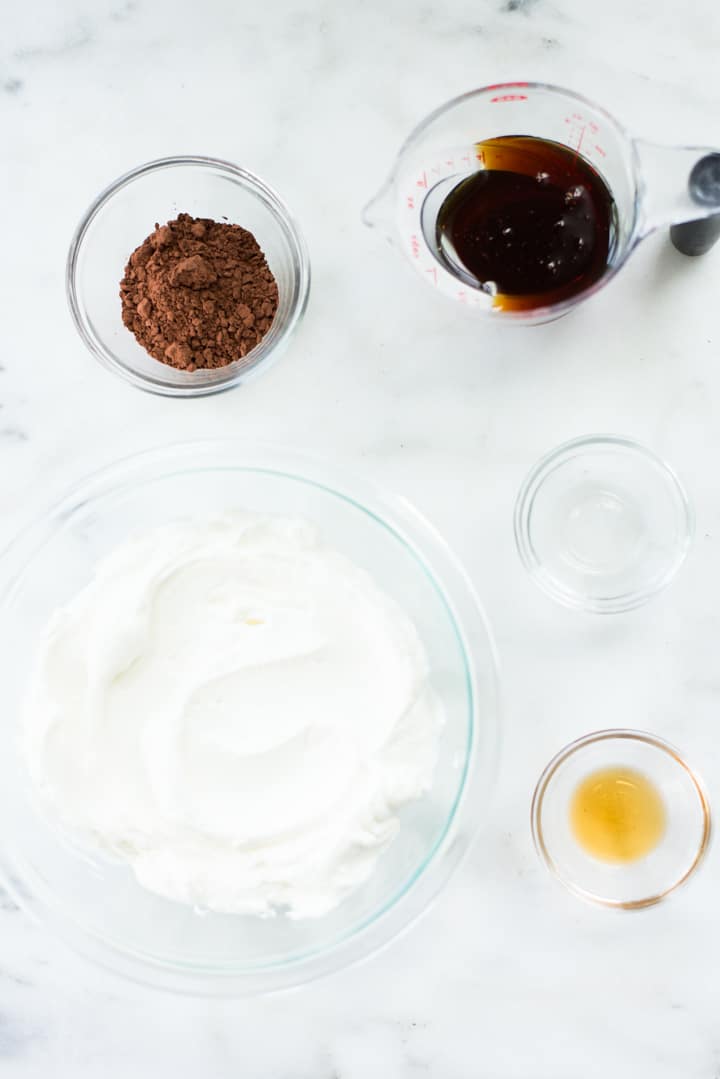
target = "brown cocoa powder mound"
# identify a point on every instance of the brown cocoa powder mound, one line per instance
(198, 293)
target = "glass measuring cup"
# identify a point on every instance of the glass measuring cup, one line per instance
(648, 181)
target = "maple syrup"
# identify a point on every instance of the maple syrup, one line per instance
(617, 815)
(535, 225)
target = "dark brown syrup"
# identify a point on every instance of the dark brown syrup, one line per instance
(534, 226)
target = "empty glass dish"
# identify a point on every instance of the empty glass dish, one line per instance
(603, 524)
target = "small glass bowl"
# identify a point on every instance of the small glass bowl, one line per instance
(126, 212)
(602, 524)
(628, 885)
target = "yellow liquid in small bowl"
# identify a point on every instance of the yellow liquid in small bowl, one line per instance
(617, 815)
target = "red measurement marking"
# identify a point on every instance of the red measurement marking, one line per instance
(415, 246)
(593, 127)
(451, 164)
(422, 182)
(508, 97)
(576, 119)
(601, 151)
(433, 273)
(410, 202)
(506, 85)
(465, 158)
(462, 297)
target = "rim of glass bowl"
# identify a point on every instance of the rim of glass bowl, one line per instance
(546, 779)
(525, 501)
(263, 354)
(422, 541)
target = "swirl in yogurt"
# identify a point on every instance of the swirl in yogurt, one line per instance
(236, 710)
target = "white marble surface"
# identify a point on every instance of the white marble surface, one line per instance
(506, 977)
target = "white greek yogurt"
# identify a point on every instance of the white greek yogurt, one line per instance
(238, 711)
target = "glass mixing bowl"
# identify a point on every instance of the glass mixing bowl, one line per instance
(126, 212)
(95, 904)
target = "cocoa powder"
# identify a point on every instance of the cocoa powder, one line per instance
(198, 293)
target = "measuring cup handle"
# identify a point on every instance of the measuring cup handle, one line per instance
(677, 187)
(697, 237)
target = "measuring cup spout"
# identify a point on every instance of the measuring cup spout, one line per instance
(379, 212)
(668, 192)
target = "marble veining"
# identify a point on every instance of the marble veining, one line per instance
(525, 6)
(506, 977)
(7, 903)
